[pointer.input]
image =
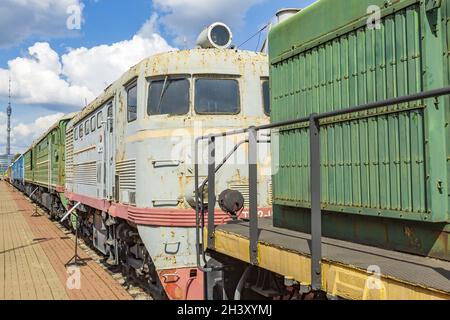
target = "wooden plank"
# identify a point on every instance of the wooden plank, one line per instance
(96, 283)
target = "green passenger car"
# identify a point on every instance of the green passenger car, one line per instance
(385, 173)
(44, 162)
(28, 165)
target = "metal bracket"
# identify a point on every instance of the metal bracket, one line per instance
(170, 277)
(166, 163)
(168, 251)
(253, 193)
(165, 202)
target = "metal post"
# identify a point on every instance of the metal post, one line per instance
(316, 213)
(197, 206)
(76, 260)
(211, 189)
(36, 212)
(253, 194)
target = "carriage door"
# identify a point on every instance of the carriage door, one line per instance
(109, 153)
(100, 125)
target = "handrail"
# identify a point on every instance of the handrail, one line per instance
(227, 157)
(197, 209)
(202, 189)
(315, 185)
(197, 215)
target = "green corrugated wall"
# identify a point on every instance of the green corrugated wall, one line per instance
(50, 158)
(28, 172)
(391, 162)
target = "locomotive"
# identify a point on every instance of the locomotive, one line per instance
(126, 160)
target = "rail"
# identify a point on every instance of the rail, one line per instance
(315, 178)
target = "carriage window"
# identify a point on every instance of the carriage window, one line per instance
(110, 117)
(169, 96)
(93, 124)
(132, 103)
(99, 119)
(217, 96)
(75, 133)
(266, 96)
(86, 127)
(81, 131)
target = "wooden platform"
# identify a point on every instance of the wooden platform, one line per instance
(33, 253)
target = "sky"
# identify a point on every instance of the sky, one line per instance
(61, 53)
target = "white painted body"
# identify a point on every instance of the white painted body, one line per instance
(145, 154)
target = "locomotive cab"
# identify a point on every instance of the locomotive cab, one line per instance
(131, 163)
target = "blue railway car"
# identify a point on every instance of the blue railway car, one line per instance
(17, 173)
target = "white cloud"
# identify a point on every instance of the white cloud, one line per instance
(97, 67)
(186, 18)
(150, 27)
(23, 134)
(37, 79)
(20, 19)
(63, 83)
(35, 129)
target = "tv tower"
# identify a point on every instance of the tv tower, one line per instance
(8, 113)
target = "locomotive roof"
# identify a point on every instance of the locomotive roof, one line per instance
(194, 61)
(303, 32)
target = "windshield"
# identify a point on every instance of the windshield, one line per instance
(217, 96)
(168, 96)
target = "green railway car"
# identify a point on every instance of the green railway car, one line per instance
(27, 165)
(44, 165)
(384, 173)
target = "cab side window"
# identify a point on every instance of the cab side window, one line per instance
(87, 126)
(99, 119)
(132, 103)
(93, 124)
